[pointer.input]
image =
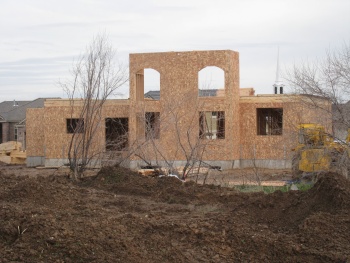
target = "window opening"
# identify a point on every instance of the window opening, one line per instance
(116, 134)
(16, 133)
(212, 125)
(211, 82)
(152, 125)
(75, 125)
(148, 84)
(270, 121)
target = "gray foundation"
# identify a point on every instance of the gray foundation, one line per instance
(33, 161)
(225, 165)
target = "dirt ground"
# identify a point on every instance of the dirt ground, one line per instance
(119, 216)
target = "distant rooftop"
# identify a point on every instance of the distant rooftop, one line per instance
(7, 106)
(155, 94)
(14, 111)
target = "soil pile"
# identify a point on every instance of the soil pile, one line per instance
(118, 216)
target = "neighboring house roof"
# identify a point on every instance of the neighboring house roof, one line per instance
(15, 111)
(155, 94)
(208, 92)
(6, 106)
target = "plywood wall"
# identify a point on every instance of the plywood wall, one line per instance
(179, 102)
(35, 136)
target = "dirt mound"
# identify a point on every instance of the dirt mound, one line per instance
(332, 191)
(119, 216)
(330, 194)
(166, 189)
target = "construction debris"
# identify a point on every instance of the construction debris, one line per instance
(11, 153)
(150, 170)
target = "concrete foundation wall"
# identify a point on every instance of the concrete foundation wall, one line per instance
(135, 165)
(267, 164)
(225, 165)
(34, 161)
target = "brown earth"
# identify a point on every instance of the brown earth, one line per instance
(118, 216)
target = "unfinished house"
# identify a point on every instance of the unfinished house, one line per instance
(182, 124)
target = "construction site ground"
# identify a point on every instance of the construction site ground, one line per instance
(115, 215)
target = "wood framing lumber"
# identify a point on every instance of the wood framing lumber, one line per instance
(10, 153)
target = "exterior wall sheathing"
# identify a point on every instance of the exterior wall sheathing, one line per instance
(35, 147)
(179, 93)
(47, 135)
(275, 151)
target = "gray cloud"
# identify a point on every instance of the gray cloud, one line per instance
(40, 45)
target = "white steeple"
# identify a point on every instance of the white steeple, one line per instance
(278, 86)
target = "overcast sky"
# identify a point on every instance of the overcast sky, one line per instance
(41, 38)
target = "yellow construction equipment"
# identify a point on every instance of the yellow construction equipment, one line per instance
(318, 151)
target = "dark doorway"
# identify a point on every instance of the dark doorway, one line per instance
(117, 134)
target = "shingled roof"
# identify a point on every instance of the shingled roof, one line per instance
(7, 106)
(155, 94)
(15, 111)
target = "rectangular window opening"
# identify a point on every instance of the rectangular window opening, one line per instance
(75, 125)
(16, 133)
(212, 125)
(152, 125)
(117, 134)
(269, 121)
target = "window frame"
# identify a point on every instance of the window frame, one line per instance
(15, 133)
(116, 130)
(152, 125)
(269, 121)
(72, 125)
(212, 130)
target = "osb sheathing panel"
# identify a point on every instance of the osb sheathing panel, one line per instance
(179, 97)
(56, 137)
(295, 111)
(35, 132)
(147, 106)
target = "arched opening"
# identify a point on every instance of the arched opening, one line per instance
(211, 82)
(148, 84)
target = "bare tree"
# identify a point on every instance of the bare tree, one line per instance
(191, 145)
(96, 76)
(330, 79)
(190, 136)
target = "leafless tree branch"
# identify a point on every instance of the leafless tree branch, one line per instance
(96, 76)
